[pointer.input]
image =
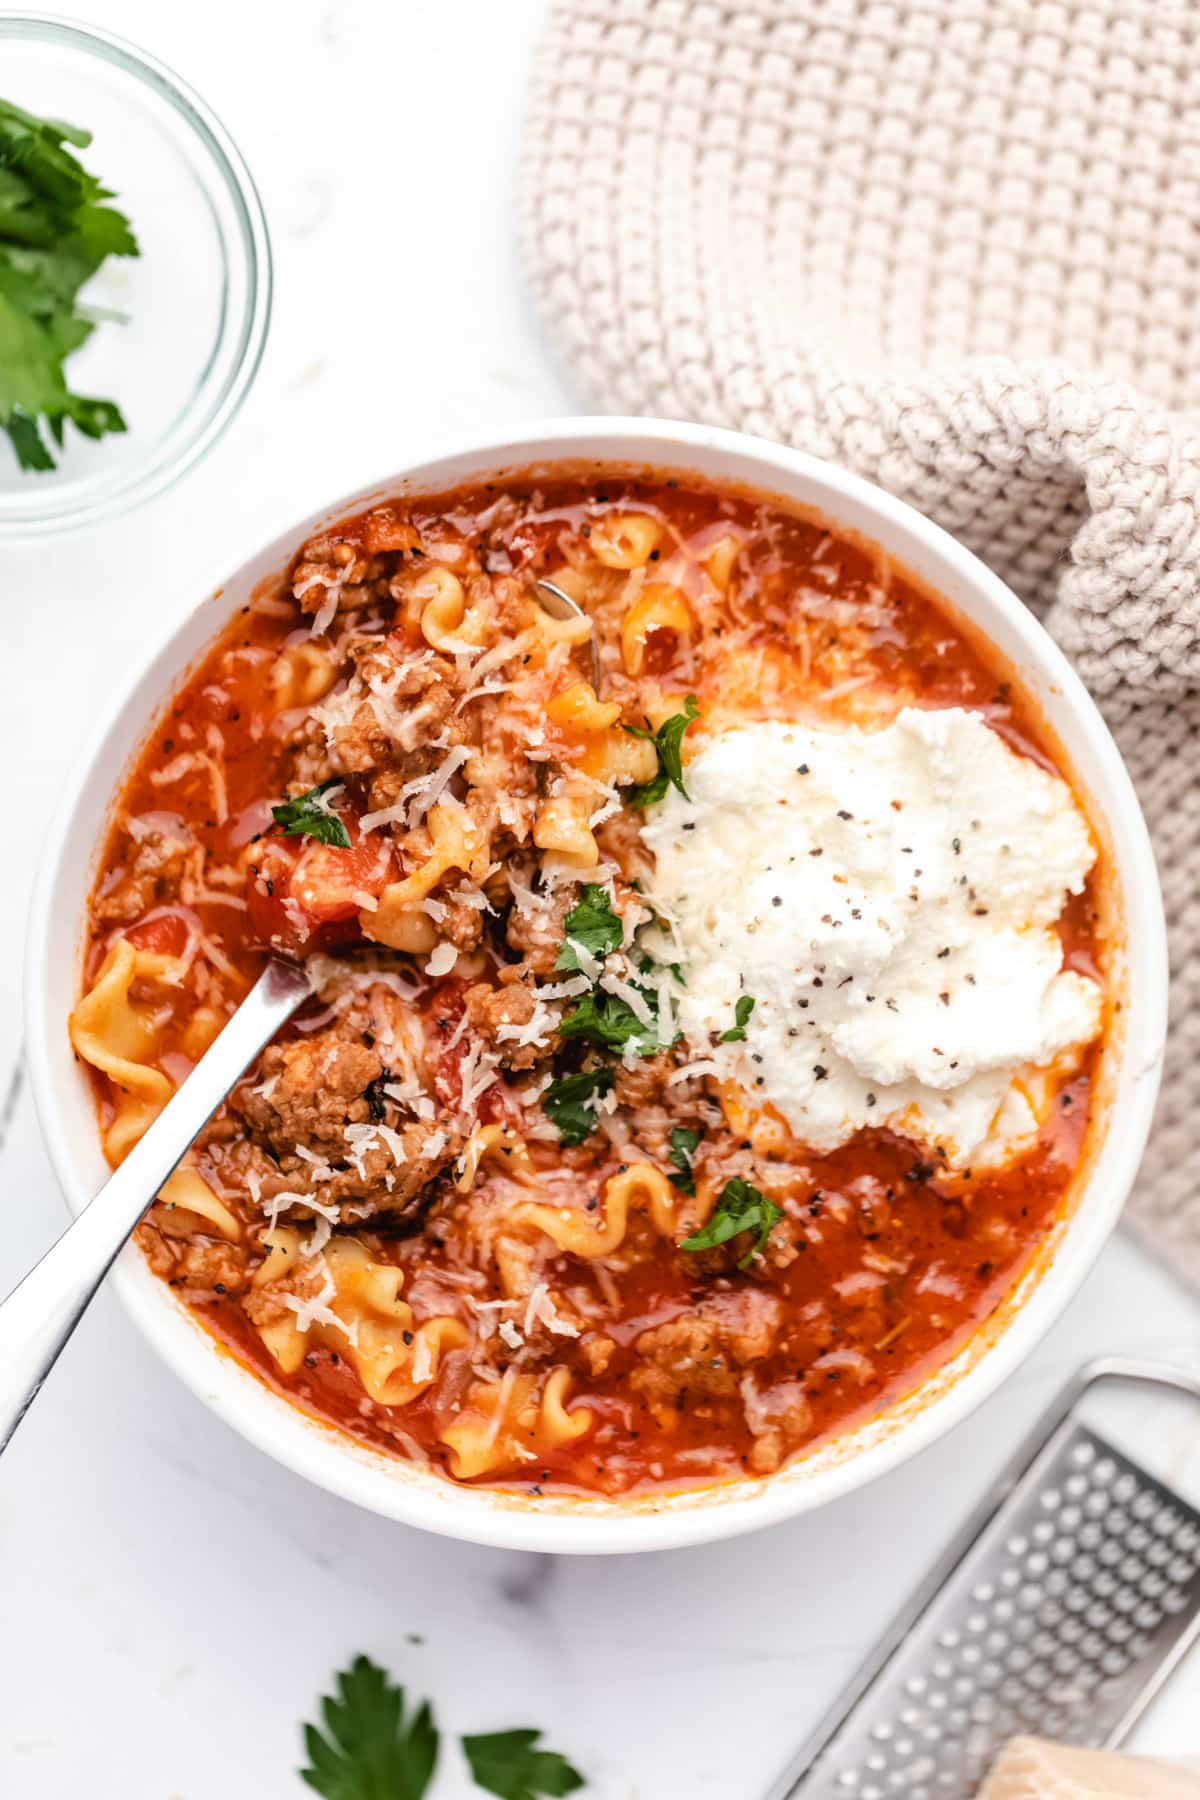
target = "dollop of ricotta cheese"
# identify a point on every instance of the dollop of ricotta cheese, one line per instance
(889, 899)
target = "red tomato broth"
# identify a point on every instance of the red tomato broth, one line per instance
(879, 1194)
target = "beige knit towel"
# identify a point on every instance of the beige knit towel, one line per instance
(952, 244)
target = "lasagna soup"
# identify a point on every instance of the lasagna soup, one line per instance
(708, 973)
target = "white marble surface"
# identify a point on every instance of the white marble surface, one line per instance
(171, 1601)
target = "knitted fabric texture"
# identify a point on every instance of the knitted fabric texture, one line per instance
(953, 245)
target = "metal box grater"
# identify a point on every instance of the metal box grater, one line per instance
(1059, 1610)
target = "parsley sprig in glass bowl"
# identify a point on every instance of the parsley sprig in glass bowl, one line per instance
(177, 328)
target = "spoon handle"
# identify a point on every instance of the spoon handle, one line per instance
(43, 1310)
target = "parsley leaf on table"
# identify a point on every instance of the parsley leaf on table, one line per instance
(55, 232)
(593, 925)
(508, 1763)
(740, 1207)
(308, 815)
(371, 1749)
(684, 1142)
(741, 1018)
(566, 1103)
(668, 743)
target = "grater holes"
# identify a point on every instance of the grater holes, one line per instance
(1059, 1615)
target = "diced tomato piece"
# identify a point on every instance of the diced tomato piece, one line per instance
(305, 894)
(167, 935)
(329, 883)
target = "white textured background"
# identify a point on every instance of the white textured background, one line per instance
(171, 1602)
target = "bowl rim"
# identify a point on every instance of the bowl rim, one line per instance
(338, 1463)
(207, 416)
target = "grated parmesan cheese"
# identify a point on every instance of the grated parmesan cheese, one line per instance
(422, 1362)
(441, 961)
(626, 991)
(541, 1307)
(316, 1310)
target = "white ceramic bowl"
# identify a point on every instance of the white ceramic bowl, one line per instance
(1127, 1090)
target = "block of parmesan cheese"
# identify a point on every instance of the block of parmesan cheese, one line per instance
(1032, 1769)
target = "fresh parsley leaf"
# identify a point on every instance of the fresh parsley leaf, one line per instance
(684, 1142)
(55, 232)
(593, 925)
(370, 1748)
(610, 1023)
(566, 1103)
(741, 1018)
(509, 1763)
(668, 742)
(740, 1207)
(308, 815)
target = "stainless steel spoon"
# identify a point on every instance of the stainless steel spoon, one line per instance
(552, 600)
(41, 1313)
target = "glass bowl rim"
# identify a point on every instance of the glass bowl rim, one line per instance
(208, 414)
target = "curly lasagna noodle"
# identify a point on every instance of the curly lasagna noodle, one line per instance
(705, 1016)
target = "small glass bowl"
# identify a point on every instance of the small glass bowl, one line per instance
(191, 311)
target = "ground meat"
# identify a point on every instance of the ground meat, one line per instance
(330, 565)
(359, 745)
(492, 1009)
(462, 925)
(780, 1419)
(151, 878)
(702, 1351)
(375, 1174)
(645, 1084)
(539, 932)
(384, 529)
(319, 1088)
(311, 762)
(597, 1350)
(215, 1265)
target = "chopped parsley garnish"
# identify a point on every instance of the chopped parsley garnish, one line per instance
(308, 815)
(610, 1023)
(684, 1142)
(668, 743)
(371, 1749)
(55, 232)
(593, 925)
(509, 1763)
(570, 1103)
(741, 1018)
(740, 1207)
